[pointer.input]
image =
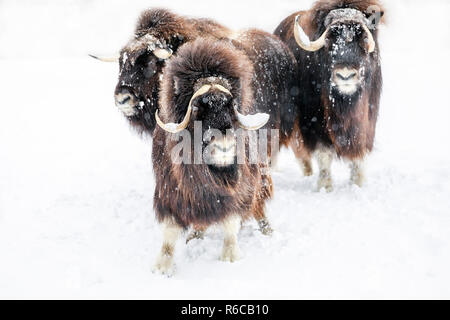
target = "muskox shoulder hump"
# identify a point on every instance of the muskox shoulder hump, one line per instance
(155, 18)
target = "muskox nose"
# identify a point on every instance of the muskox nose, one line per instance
(346, 80)
(126, 101)
(346, 74)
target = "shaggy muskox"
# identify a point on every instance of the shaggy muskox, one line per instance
(157, 36)
(339, 78)
(214, 83)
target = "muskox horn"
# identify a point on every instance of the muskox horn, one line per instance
(174, 127)
(371, 41)
(303, 40)
(252, 121)
(248, 122)
(162, 54)
(114, 58)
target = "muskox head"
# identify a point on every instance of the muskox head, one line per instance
(207, 88)
(346, 47)
(156, 37)
(141, 63)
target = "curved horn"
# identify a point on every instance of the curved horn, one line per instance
(371, 41)
(162, 54)
(252, 121)
(247, 122)
(114, 58)
(174, 127)
(303, 40)
(221, 88)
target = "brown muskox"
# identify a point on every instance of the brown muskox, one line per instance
(214, 83)
(158, 35)
(339, 78)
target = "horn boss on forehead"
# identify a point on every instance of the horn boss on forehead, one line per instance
(334, 17)
(248, 122)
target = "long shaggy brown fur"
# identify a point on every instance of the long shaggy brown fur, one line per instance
(347, 125)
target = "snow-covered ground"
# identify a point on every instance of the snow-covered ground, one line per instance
(76, 185)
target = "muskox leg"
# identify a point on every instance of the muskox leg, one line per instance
(259, 205)
(164, 262)
(231, 226)
(325, 158)
(303, 157)
(306, 166)
(358, 176)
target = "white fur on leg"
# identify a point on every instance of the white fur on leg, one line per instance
(164, 262)
(358, 176)
(231, 226)
(325, 158)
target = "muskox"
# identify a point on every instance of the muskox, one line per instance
(158, 35)
(222, 85)
(340, 80)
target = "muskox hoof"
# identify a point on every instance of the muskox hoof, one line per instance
(195, 234)
(264, 227)
(360, 181)
(325, 183)
(164, 266)
(230, 254)
(327, 188)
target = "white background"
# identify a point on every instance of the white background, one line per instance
(76, 184)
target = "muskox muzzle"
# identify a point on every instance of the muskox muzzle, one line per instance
(126, 101)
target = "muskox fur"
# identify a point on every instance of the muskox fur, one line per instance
(140, 70)
(258, 70)
(329, 120)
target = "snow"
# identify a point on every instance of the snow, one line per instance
(76, 184)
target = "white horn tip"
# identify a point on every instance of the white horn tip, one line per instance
(114, 58)
(254, 121)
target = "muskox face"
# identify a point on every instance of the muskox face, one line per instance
(347, 58)
(345, 50)
(216, 113)
(136, 93)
